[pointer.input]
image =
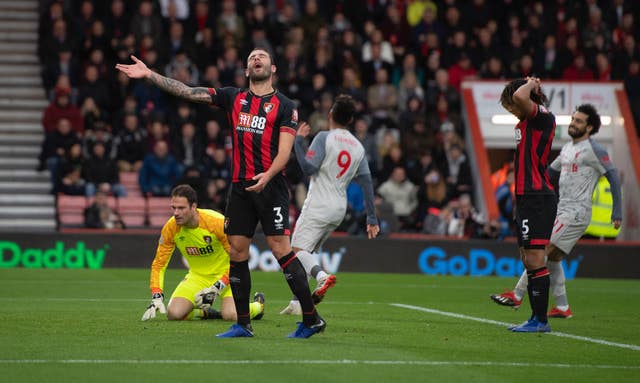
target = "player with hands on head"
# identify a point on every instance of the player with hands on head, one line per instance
(582, 161)
(536, 203)
(198, 235)
(263, 122)
(333, 160)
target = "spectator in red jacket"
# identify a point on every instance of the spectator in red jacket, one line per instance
(61, 107)
(578, 70)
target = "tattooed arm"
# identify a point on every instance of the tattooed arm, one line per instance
(169, 85)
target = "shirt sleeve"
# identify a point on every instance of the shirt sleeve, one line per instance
(606, 168)
(223, 97)
(288, 118)
(311, 159)
(166, 246)
(364, 180)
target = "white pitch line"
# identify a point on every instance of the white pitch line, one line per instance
(505, 324)
(317, 362)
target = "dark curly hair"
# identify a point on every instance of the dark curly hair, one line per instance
(593, 118)
(343, 109)
(507, 93)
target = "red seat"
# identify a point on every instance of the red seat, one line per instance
(158, 210)
(70, 209)
(133, 210)
(130, 181)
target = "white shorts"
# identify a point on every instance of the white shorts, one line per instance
(310, 233)
(566, 232)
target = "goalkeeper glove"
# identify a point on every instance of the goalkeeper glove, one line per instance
(156, 304)
(204, 298)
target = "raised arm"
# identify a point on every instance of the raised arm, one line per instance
(169, 85)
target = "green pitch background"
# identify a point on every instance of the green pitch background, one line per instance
(84, 326)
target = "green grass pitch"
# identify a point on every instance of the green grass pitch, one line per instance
(84, 326)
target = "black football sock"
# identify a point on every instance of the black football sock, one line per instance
(538, 289)
(240, 281)
(297, 279)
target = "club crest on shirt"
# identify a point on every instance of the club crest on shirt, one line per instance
(543, 109)
(294, 115)
(207, 239)
(267, 107)
(226, 222)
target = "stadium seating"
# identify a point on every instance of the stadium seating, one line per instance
(71, 210)
(130, 181)
(158, 210)
(133, 211)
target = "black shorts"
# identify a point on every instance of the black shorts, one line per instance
(535, 214)
(269, 207)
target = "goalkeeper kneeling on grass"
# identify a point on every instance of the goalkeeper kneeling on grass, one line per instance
(199, 236)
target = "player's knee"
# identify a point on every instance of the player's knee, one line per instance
(173, 314)
(279, 245)
(554, 254)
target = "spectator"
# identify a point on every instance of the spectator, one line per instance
(440, 87)
(465, 220)
(101, 173)
(371, 66)
(62, 108)
(319, 118)
(382, 98)
(416, 141)
(117, 22)
(130, 144)
(64, 65)
(188, 149)
(402, 194)
(145, 22)
(578, 70)
(460, 71)
(92, 114)
(217, 168)
(159, 171)
(102, 216)
(95, 87)
(459, 172)
(230, 23)
(361, 132)
(55, 146)
(432, 194)
(100, 134)
(409, 87)
(413, 111)
(70, 181)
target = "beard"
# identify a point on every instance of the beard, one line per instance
(255, 77)
(576, 132)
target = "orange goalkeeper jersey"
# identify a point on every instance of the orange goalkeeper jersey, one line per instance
(205, 248)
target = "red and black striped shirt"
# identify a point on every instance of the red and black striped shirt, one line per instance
(534, 136)
(257, 122)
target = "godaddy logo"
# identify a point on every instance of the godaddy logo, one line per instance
(78, 257)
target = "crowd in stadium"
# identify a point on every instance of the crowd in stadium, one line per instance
(402, 61)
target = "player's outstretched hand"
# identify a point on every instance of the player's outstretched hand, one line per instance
(137, 70)
(204, 298)
(157, 303)
(617, 223)
(372, 231)
(303, 129)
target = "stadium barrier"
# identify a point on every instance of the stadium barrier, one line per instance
(590, 259)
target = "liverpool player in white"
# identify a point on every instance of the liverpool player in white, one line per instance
(580, 164)
(334, 158)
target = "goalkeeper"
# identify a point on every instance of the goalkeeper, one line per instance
(199, 236)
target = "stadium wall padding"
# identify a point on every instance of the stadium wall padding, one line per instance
(592, 259)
